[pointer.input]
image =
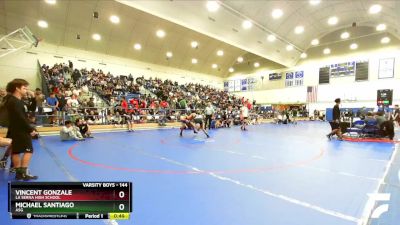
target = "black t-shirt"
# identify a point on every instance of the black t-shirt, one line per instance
(61, 102)
(336, 112)
(19, 123)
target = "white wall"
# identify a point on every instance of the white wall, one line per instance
(23, 65)
(345, 88)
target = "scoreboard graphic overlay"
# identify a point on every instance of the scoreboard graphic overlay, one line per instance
(70, 200)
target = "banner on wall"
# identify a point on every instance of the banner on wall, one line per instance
(238, 85)
(247, 84)
(251, 82)
(386, 68)
(299, 77)
(289, 79)
(231, 87)
(343, 69)
(294, 78)
(275, 76)
(226, 86)
(244, 85)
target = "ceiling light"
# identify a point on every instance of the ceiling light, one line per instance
(271, 38)
(289, 47)
(240, 59)
(374, 9)
(315, 42)
(345, 35)
(299, 29)
(220, 53)
(42, 24)
(277, 13)
(381, 27)
(212, 6)
(51, 2)
(315, 2)
(256, 64)
(231, 70)
(385, 40)
(96, 37)
(327, 51)
(114, 19)
(194, 61)
(194, 44)
(160, 33)
(137, 46)
(214, 66)
(169, 54)
(247, 24)
(303, 55)
(353, 46)
(333, 20)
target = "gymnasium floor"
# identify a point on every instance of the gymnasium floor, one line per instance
(271, 174)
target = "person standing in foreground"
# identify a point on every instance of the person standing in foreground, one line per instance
(19, 129)
(244, 114)
(335, 123)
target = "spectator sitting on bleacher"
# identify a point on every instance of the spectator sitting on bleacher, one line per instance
(124, 104)
(69, 132)
(52, 102)
(91, 103)
(370, 118)
(73, 102)
(380, 119)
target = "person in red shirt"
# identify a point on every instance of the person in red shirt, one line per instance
(124, 104)
(143, 104)
(134, 102)
(152, 105)
(249, 105)
(164, 104)
(162, 112)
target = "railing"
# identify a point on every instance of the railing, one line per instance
(109, 116)
(106, 116)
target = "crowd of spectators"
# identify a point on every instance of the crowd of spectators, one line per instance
(69, 88)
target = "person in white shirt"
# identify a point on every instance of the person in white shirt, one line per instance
(244, 114)
(85, 89)
(209, 111)
(68, 93)
(76, 91)
(73, 102)
(69, 132)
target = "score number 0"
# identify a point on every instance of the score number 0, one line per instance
(121, 206)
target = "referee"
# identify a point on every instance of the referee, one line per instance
(335, 123)
(20, 130)
(209, 111)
